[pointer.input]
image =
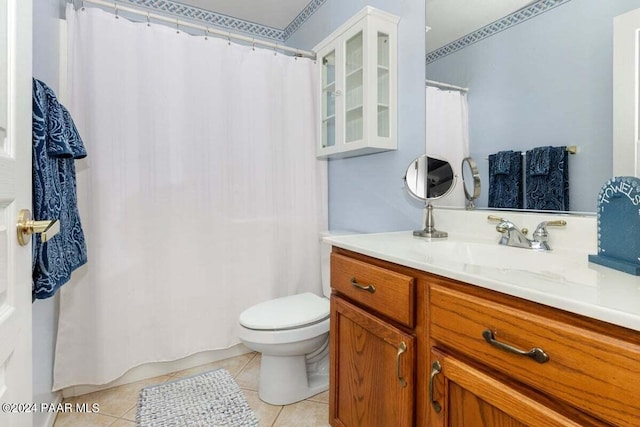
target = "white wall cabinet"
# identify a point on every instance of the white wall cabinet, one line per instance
(357, 103)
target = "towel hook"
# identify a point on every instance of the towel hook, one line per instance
(115, 8)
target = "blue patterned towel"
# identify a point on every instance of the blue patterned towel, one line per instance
(547, 179)
(56, 144)
(505, 180)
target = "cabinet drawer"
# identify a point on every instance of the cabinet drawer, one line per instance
(596, 372)
(387, 292)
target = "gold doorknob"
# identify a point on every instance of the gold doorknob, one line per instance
(26, 227)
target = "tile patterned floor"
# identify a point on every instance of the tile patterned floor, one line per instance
(118, 405)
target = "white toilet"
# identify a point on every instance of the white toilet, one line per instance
(292, 333)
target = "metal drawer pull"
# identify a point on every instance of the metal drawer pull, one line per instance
(368, 288)
(436, 368)
(535, 353)
(401, 349)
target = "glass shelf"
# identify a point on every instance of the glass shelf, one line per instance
(329, 88)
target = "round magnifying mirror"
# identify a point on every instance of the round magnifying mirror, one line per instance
(429, 178)
(470, 181)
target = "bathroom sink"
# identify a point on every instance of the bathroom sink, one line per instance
(493, 255)
(490, 259)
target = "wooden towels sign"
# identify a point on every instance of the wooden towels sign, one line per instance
(619, 225)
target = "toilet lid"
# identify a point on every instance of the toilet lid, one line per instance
(286, 313)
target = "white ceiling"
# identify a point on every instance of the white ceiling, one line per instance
(449, 19)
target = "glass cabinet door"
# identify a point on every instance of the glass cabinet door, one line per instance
(329, 99)
(383, 84)
(353, 88)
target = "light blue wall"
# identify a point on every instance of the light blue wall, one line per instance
(366, 193)
(546, 81)
(46, 61)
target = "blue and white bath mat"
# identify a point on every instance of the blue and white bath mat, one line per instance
(210, 399)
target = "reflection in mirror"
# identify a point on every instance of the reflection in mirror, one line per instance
(470, 181)
(539, 77)
(429, 178)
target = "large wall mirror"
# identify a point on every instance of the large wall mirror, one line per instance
(538, 73)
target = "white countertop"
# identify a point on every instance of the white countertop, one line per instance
(560, 278)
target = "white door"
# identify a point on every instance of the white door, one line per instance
(15, 194)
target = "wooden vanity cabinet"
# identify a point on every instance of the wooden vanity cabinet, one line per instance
(373, 345)
(464, 363)
(580, 363)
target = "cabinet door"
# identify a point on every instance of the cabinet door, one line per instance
(372, 370)
(328, 100)
(462, 395)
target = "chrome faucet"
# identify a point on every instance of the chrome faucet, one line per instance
(512, 236)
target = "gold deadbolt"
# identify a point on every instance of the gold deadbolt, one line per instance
(26, 227)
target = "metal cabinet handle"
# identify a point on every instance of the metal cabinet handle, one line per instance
(535, 353)
(401, 349)
(368, 288)
(436, 368)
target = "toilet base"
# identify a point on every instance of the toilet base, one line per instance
(289, 379)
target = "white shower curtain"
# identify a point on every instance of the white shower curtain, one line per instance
(200, 197)
(447, 135)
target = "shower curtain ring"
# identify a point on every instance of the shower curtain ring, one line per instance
(82, 5)
(253, 44)
(275, 50)
(229, 38)
(177, 26)
(115, 9)
(148, 19)
(206, 33)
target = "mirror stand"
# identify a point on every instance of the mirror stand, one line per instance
(470, 181)
(429, 178)
(429, 227)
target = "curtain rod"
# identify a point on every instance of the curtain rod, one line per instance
(206, 30)
(445, 86)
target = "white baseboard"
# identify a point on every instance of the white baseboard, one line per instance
(150, 370)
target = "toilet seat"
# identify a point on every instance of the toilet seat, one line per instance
(290, 312)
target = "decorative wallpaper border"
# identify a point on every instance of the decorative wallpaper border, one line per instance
(502, 24)
(305, 14)
(229, 22)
